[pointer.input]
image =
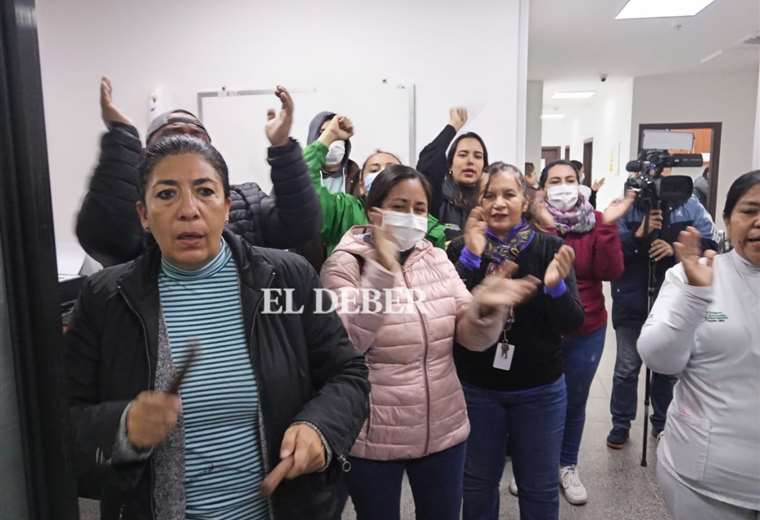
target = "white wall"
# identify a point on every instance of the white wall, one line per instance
(185, 47)
(534, 124)
(726, 97)
(605, 118)
(756, 144)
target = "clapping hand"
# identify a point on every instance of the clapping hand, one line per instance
(496, 292)
(698, 267)
(559, 267)
(386, 250)
(475, 231)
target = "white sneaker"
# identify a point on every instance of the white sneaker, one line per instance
(572, 487)
(513, 486)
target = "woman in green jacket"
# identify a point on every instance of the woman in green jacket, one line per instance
(340, 211)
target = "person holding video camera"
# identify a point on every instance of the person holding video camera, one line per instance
(643, 239)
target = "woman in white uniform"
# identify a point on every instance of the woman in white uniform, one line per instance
(705, 327)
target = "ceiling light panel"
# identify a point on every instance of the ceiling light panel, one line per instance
(573, 95)
(661, 8)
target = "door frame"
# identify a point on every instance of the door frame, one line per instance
(29, 262)
(588, 163)
(717, 129)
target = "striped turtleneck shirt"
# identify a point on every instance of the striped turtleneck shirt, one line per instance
(223, 464)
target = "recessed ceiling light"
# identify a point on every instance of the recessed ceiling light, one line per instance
(552, 116)
(573, 95)
(661, 8)
(711, 56)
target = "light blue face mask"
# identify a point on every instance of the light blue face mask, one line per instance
(369, 179)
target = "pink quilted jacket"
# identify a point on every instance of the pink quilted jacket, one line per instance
(416, 403)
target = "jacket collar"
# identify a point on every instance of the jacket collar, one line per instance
(140, 286)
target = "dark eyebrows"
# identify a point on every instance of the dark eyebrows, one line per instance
(167, 182)
(196, 182)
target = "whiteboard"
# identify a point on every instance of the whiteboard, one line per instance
(383, 115)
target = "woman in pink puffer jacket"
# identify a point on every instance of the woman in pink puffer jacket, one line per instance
(418, 417)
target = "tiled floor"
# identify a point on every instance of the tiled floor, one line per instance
(619, 488)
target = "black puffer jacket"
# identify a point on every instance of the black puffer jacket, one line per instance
(305, 366)
(109, 229)
(449, 202)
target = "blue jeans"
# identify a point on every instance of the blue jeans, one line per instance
(531, 421)
(625, 384)
(581, 355)
(436, 482)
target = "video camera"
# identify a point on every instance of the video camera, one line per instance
(651, 187)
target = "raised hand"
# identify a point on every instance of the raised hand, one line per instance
(475, 231)
(560, 266)
(496, 292)
(108, 110)
(597, 184)
(698, 267)
(457, 117)
(340, 128)
(618, 208)
(278, 125)
(386, 250)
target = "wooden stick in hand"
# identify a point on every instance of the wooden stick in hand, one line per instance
(270, 483)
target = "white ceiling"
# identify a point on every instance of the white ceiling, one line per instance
(580, 39)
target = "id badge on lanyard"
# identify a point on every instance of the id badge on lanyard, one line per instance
(505, 351)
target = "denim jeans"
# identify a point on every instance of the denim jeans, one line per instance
(436, 482)
(625, 384)
(581, 355)
(531, 421)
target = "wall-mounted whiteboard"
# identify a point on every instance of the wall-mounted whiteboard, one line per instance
(383, 115)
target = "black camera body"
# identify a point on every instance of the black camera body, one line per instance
(651, 187)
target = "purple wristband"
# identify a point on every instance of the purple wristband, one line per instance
(556, 292)
(469, 259)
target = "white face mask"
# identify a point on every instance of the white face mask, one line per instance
(562, 196)
(585, 191)
(336, 153)
(369, 178)
(406, 229)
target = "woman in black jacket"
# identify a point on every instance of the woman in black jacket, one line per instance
(454, 175)
(515, 391)
(108, 228)
(267, 383)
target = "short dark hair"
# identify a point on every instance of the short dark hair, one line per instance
(529, 168)
(390, 177)
(738, 189)
(577, 165)
(561, 162)
(468, 135)
(178, 145)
